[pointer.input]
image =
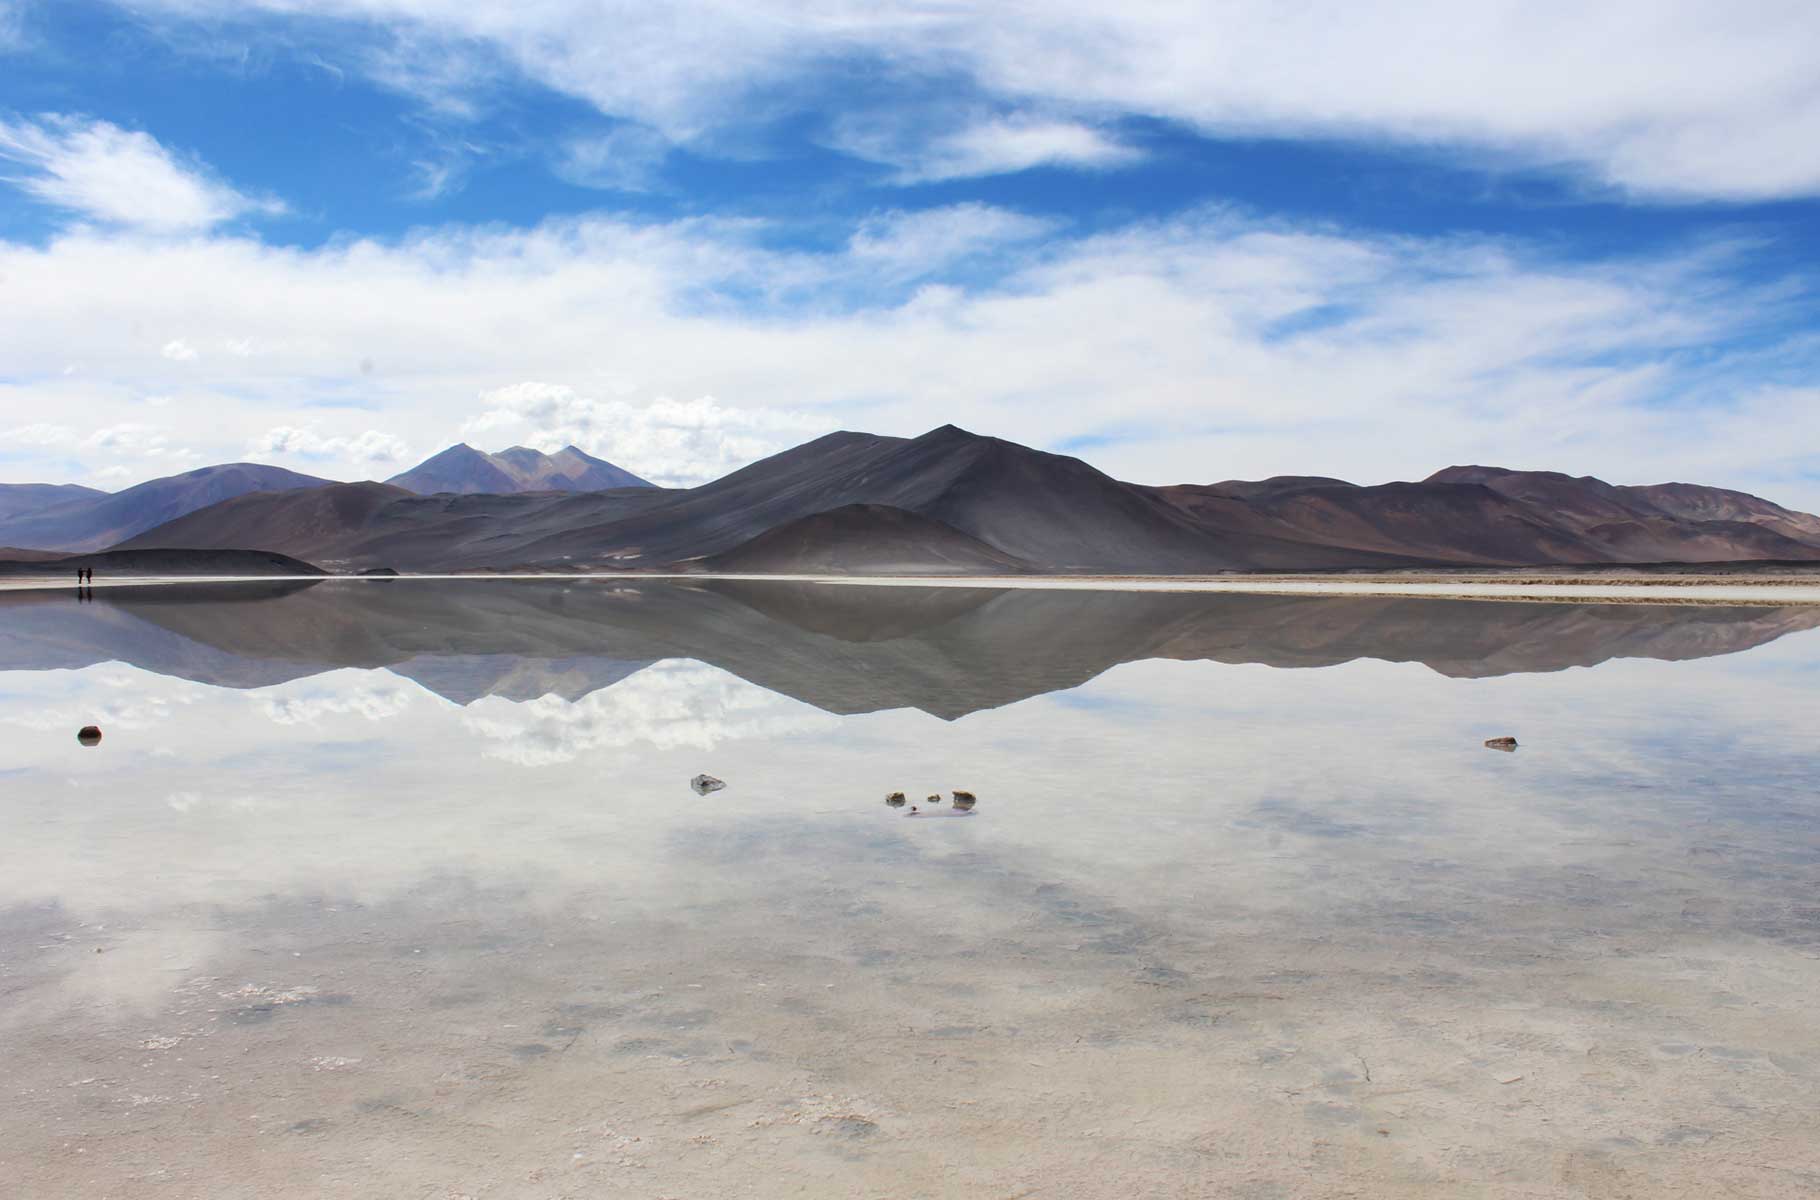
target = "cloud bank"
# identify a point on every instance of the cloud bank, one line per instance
(1659, 98)
(1198, 348)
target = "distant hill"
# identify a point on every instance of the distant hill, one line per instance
(18, 499)
(358, 525)
(951, 500)
(111, 565)
(463, 470)
(92, 520)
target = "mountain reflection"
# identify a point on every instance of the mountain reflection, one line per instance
(843, 649)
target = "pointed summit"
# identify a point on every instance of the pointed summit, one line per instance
(466, 471)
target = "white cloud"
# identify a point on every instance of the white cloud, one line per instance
(369, 703)
(667, 706)
(370, 447)
(910, 245)
(1197, 348)
(39, 434)
(625, 159)
(672, 442)
(1659, 97)
(12, 24)
(105, 173)
(178, 350)
(994, 146)
(133, 438)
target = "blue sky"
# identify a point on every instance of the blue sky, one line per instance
(1188, 242)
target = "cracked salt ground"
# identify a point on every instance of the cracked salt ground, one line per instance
(1221, 930)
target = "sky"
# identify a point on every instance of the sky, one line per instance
(1186, 241)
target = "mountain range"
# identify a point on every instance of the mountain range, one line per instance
(953, 502)
(74, 519)
(83, 519)
(948, 502)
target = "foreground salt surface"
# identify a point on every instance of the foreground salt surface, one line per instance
(1215, 930)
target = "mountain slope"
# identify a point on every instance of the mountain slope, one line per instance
(864, 539)
(18, 499)
(357, 525)
(95, 522)
(463, 470)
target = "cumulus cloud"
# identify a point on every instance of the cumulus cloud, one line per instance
(1202, 347)
(103, 172)
(367, 702)
(667, 706)
(133, 438)
(673, 442)
(373, 446)
(178, 350)
(1659, 97)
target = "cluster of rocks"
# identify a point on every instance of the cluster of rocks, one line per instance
(963, 801)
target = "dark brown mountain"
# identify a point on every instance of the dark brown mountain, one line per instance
(1017, 509)
(864, 539)
(463, 470)
(101, 519)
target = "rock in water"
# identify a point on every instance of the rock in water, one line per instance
(964, 801)
(1502, 743)
(89, 735)
(935, 799)
(895, 799)
(703, 784)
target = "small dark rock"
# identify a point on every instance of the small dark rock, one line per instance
(964, 801)
(1505, 744)
(895, 799)
(703, 784)
(935, 799)
(379, 573)
(89, 735)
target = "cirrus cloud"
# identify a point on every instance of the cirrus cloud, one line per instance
(102, 172)
(1661, 98)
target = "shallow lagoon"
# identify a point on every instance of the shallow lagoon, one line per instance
(400, 889)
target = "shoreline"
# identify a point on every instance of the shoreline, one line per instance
(1690, 589)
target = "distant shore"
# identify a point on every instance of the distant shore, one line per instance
(1615, 588)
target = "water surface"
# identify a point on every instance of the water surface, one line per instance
(400, 889)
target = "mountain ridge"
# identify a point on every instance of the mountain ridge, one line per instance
(463, 470)
(854, 502)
